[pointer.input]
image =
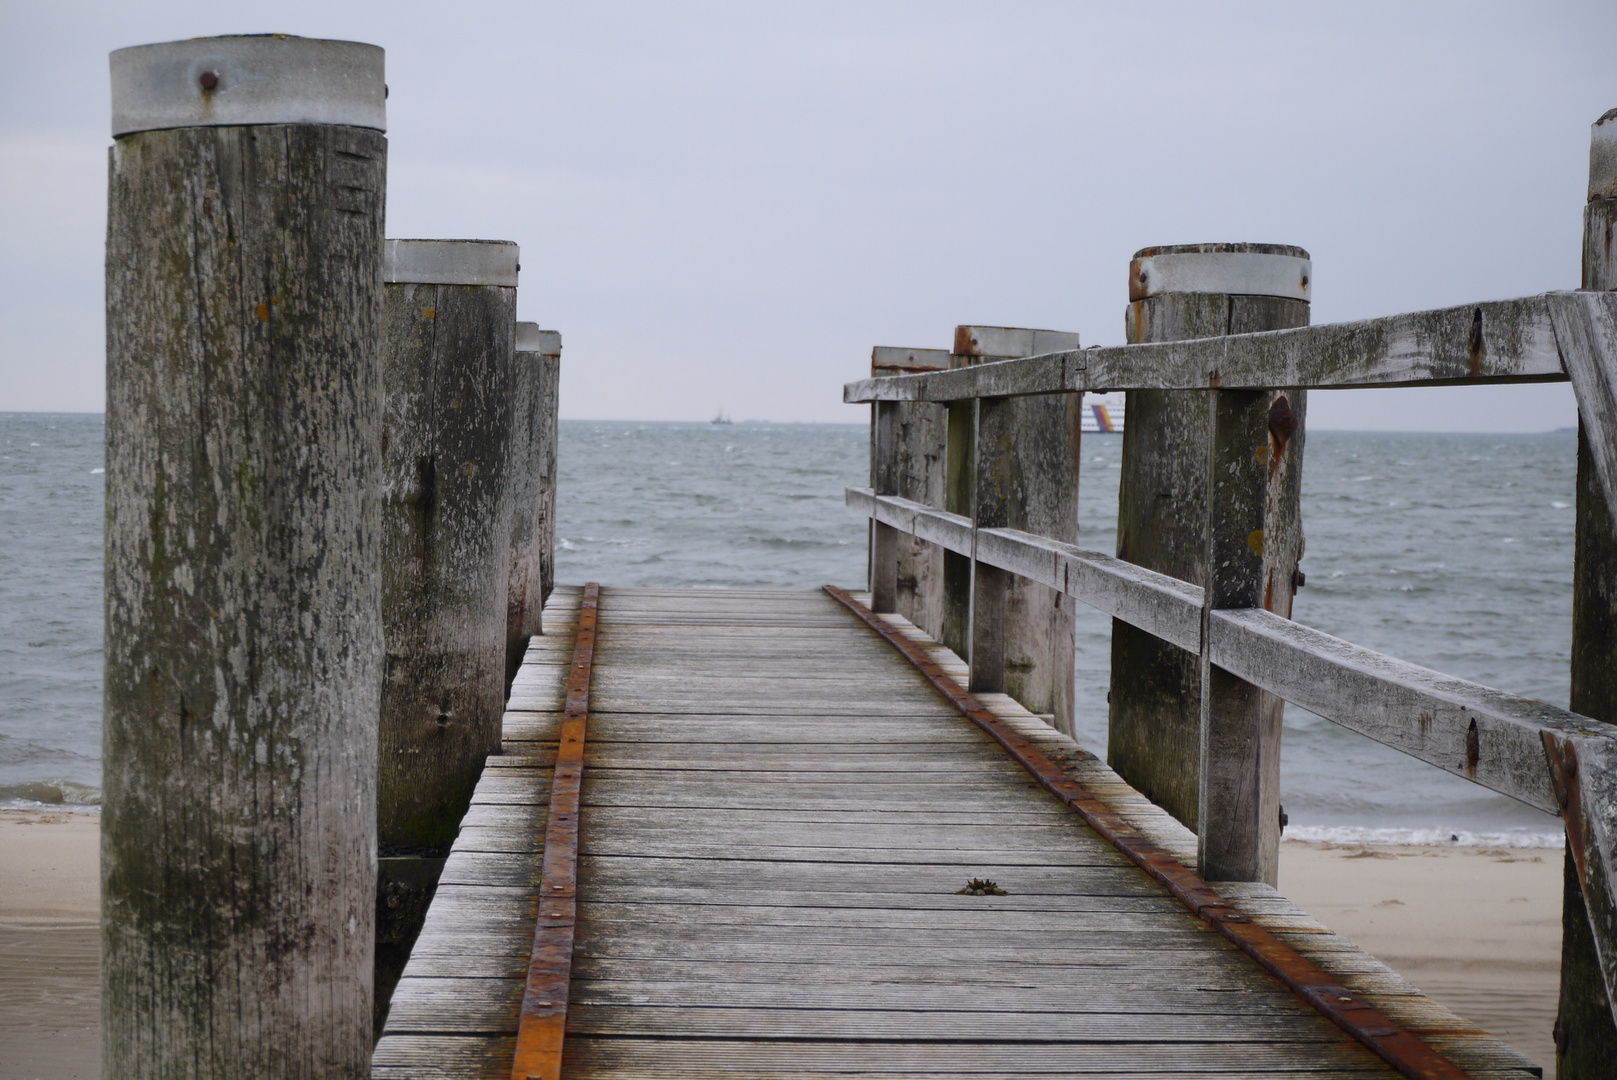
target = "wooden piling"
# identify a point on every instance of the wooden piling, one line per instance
(1585, 1036)
(549, 432)
(532, 482)
(915, 471)
(448, 338)
(243, 632)
(1037, 476)
(1180, 292)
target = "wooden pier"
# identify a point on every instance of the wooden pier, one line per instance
(748, 833)
(779, 814)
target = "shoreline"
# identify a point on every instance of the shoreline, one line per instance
(1475, 928)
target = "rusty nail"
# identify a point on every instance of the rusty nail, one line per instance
(209, 80)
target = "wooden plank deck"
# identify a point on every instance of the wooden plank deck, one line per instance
(777, 813)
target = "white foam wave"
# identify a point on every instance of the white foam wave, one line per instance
(1422, 837)
(55, 808)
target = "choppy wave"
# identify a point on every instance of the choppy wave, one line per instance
(56, 794)
(1385, 837)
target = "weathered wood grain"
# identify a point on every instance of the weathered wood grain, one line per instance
(524, 476)
(992, 436)
(447, 374)
(482, 919)
(919, 442)
(1586, 332)
(1155, 707)
(746, 878)
(1029, 470)
(1586, 1035)
(1484, 735)
(884, 466)
(545, 515)
(242, 609)
(959, 486)
(1495, 341)
(1238, 776)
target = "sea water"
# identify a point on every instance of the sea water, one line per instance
(1452, 551)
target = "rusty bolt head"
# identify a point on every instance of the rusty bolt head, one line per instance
(209, 80)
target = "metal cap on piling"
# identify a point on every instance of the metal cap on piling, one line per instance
(450, 262)
(247, 79)
(531, 339)
(527, 337)
(1240, 269)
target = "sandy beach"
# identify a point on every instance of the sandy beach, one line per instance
(1477, 929)
(49, 945)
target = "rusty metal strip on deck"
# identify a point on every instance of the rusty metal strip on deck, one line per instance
(1350, 1012)
(543, 1021)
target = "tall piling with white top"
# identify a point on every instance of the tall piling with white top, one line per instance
(243, 632)
(448, 340)
(1156, 711)
(532, 480)
(545, 519)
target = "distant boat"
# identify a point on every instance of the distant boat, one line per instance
(721, 419)
(1103, 414)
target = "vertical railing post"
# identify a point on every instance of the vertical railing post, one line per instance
(917, 474)
(993, 437)
(1179, 292)
(1040, 479)
(1238, 782)
(884, 479)
(243, 609)
(1585, 1037)
(959, 493)
(448, 335)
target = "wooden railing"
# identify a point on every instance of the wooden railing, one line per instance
(954, 468)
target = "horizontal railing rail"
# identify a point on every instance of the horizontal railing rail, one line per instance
(1485, 735)
(1499, 341)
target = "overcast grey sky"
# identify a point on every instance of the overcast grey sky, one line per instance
(725, 205)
